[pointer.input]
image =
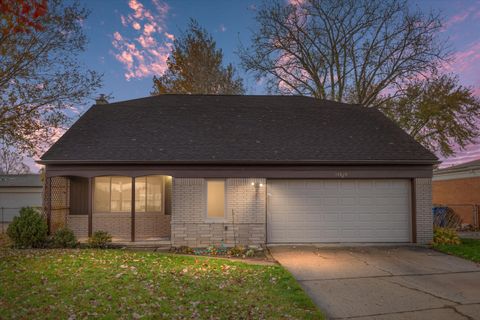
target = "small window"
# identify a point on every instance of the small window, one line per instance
(215, 199)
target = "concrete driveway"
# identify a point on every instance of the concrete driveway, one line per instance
(385, 282)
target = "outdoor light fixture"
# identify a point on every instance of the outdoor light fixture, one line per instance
(256, 184)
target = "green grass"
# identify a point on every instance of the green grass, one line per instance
(468, 249)
(117, 284)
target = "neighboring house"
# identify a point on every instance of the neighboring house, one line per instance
(201, 170)
(17, 191)
(458, 187)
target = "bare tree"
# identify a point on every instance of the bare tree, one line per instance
(11, 162)
(196, 66)
(40, 76)
(343, 50)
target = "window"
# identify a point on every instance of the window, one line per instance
(114, 194)
(121, 194)
(215, 199)
(148, 194)
(101, 194)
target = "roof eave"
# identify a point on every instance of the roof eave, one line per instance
(241, 162)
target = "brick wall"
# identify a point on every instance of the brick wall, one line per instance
(423, 194)
(117, 224)
(457, 194)
(245, 214)
(151, 225)
(79, 225)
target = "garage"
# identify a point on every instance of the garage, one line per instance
(346, 210)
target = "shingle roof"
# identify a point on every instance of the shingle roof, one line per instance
(20, 180)
(223, 129)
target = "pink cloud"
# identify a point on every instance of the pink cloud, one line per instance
(295, 2)
(169, 36)
(136, 26)
(458, 18)
(148, 29)
(471, 152)
(146, 53)
(466, 64)
(469, 13)
(117, 36)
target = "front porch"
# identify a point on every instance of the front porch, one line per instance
(131, 208)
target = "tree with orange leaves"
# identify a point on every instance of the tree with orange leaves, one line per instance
(22, 15)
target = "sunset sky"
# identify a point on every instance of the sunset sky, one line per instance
(130, 40)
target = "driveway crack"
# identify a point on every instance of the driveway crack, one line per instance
(371, 265)
(421, 291)
(460, 313)
(404, 312)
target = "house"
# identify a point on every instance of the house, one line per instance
(17, 191)
(206, 169)
(458, 187)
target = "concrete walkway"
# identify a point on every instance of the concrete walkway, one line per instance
(385, 282)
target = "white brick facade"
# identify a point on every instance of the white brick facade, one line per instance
(245, 214)
(424, 216)
(190, 226)
(79, 225)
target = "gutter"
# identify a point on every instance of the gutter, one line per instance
(241, 162)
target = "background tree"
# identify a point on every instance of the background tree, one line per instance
(11, 162)
(438, 112)
(21, 15)
(40, 77)
(195, 66)
(369, 52)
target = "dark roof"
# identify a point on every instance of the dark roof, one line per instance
(20, 180)
(235, 129)
(475, 164)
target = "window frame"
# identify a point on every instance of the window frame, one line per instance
(162, 201)
(225, 201)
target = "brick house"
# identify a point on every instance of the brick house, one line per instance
(458, 187)
(199, 169)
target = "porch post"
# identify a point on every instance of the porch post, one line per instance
(133, 209)
(48, 199)
(413, 190)
(90, 205)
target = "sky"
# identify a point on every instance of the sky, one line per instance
(129, 41)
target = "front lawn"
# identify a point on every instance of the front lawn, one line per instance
(468, 249)
(76, 284)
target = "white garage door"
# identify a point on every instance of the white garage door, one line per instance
(338, 211)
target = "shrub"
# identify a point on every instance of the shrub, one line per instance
(99, 239)
(250, 253)
(445, 236)
(64, 238)
(183, 250)
(237, 251)
(28, 230)
(5, 241)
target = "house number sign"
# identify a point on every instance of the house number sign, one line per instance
(341, 174)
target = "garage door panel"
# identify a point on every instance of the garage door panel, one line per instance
(338, 211)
